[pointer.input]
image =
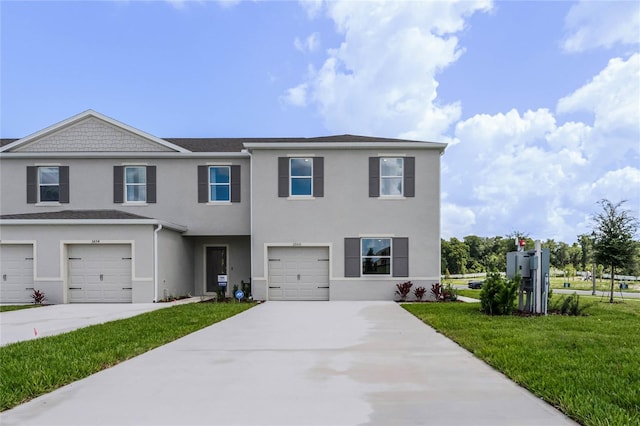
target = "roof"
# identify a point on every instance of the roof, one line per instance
(76, 214)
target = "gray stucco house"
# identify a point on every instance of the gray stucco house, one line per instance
(94, 210)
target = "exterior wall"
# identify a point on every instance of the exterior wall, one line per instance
(346, 210)
(91, 188)
(175, 269)
(238, 261)
(50, 257)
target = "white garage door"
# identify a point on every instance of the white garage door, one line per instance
(298, 273)
(16, 273)
(99, 273)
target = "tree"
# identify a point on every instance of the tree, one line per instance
(614, 229)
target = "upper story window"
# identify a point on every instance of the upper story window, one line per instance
(301, 174)
(219, 183)
(47, 184)
(135, 181)
(376, 256)
(301, 177)
(134, 184)
(391, 177)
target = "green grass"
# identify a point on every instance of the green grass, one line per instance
(469, 293)
(32, 368)
(9, 308)
(588, 367)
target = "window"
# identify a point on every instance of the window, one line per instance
(301, 174)
(300, 177)
(376, 256)
(220, 183)
(135, 182)
(391, 177)
(47, 184)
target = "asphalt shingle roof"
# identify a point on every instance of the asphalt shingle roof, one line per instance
(75, 214)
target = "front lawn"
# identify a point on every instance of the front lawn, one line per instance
(588, 367)
(9, 308)
(34, 367)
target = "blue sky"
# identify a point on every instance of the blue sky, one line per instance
(539, 101)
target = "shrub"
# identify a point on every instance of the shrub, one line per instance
(38, 297)
(498, 294)
(568, 305)
(403, 290)
(444, 294)
(419, 292)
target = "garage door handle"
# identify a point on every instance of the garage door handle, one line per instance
(75, 288)
(29, 288)
(323, 286)
(273, 287)
(127, 288)
(4, 277)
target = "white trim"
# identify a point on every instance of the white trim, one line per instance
(23, 222)
(341, 145)
(47, 164)
(218, 163)
(82, 116)
(209, 184)
(132, 154)
(382, 178)
(300, 197)
(47, 203)
(291, 178)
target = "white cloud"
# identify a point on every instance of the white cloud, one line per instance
(592, 24)
(382, 78)
(456, 220)
(310, 44)
(296, 96)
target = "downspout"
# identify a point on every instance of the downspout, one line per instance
(155, 263)
(251, 220)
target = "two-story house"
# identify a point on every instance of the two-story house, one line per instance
(94, 210)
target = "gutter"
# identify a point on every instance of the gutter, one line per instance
(155, 262)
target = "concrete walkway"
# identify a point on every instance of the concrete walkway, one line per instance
(297, 363)
(27, 324)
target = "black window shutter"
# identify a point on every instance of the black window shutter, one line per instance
(118, 184)
(235, 184)
(283, 177)
(410, 177)
(203, 184)
(151, 184)
(64, 183)
(400, 257)
(32, 184)
(318, 176)
(374, 176)
(352, 257)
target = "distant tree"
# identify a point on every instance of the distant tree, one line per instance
(614, 229)
(586, 247)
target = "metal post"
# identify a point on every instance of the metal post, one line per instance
(537, 288)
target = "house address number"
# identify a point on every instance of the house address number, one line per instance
(297, 244)
(95, 241)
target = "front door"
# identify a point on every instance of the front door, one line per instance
(216, 265)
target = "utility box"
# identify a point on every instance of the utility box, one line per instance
(533, 268)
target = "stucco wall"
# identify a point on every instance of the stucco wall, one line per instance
(346, 210)
(175, 268)
(50, 260)
(91, 188)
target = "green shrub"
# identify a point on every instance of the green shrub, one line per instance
(568, 305)
(498, 295)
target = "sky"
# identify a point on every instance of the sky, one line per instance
(539, 102)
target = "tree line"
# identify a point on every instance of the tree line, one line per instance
(474, 254)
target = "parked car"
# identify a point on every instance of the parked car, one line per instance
(475, 284)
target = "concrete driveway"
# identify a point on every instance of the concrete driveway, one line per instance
(27, 324)
(297, 363)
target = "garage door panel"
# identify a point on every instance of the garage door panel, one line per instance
(100, 273)
(16, 273)
(298, 273)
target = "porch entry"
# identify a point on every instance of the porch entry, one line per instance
(216, 264)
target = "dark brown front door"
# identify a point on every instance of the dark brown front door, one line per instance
(216, 265)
